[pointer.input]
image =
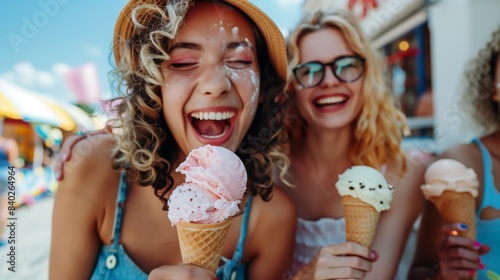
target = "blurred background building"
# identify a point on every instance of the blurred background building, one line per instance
(426, 45)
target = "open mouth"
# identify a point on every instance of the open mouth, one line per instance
(212, 125)
(330, 101)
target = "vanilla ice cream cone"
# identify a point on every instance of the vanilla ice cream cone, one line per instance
(201, 244)
(458, 207)
(361, 220)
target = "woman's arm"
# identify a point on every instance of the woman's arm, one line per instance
(395, 224)
(273, 235)
(77, 214)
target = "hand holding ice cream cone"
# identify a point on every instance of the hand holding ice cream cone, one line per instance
(365, 193)
(452, 188)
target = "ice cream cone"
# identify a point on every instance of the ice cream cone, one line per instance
(458, 207)
(360, 220)
(201, 244)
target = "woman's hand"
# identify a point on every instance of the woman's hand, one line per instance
(184, 272)
(459, 257)
(341, 261)
(67, 151)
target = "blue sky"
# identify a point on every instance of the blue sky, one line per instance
(40, 39)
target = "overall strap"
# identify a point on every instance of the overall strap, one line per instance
(240, 246)
(120, 204)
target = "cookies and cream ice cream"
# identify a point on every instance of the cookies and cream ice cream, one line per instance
(364, 194)
(367, 184)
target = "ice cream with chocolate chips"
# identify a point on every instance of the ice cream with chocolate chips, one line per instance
(364, 193)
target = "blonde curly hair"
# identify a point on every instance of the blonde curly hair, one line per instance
(479, 87)
(380, 126)
(145, 146)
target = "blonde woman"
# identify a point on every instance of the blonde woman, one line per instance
(343, 114)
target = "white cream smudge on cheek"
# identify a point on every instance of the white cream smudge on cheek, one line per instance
(255, 83)
(226, 74)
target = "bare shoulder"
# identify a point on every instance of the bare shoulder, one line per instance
(465, 153)
(90, 166)
(279, 207)
(278, 212)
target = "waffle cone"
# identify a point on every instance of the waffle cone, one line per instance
(201, 244)
(458, 207)
(360, 220)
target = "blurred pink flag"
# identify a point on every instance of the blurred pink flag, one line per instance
(84, 83)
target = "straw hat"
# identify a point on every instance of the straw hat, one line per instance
(124, 30)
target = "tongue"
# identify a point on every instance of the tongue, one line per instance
(209, 127)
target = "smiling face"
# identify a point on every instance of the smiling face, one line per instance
(331, 104)
(211, 87)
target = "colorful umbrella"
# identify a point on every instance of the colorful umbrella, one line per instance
(23, 104)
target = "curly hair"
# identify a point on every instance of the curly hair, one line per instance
(478, 90)
(380, 126)
(145, 146)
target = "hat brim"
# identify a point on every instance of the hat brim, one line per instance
(124, 29)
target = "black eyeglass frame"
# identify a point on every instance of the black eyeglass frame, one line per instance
(331, 64)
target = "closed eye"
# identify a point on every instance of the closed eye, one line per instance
(183, 66)
(238, 64)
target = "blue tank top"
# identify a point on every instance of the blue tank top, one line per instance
(488, 230)
(113, 263)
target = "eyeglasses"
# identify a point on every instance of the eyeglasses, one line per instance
(347, 69)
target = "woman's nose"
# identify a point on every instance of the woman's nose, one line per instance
(215, 81)
(329, 79)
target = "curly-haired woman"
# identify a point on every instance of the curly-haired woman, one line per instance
(440, 254)
(343, 114)
(177, 60)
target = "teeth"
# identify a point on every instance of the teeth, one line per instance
(331, 100)
(217, 116)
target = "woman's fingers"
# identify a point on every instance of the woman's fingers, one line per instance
(180, 272)
(67, 151)
(348, 248)
(344, 261)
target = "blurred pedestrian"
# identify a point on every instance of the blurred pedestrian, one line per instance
(9, 152)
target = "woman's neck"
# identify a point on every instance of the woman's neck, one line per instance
(324, 148)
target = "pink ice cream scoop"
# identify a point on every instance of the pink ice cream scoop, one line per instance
(216, 169)
(215, 183)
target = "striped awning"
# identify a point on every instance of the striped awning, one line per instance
(22, 104)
